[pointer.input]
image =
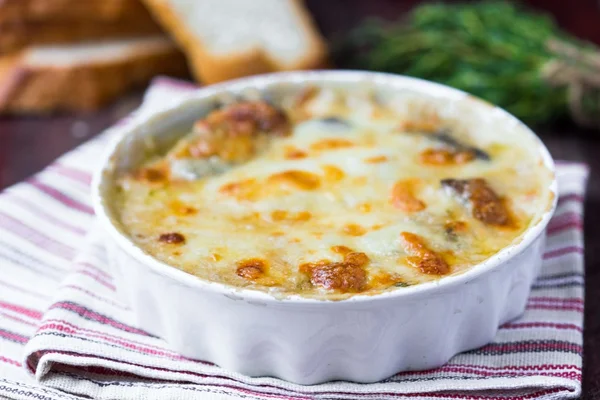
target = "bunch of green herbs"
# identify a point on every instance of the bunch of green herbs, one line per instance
(492, 49)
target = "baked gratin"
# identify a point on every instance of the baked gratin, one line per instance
(329, 193)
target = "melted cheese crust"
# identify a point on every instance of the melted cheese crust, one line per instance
(339, 207)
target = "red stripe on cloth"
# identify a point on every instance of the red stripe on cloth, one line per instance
(528, 325)
(35, 237)
(554, 307)
(556, 300)
(449, 368)
(540, 367)
(565, 217)
(568, 220)
(97, 269)
(9, 361)
(20, 320)
(563, 251)
(21, 202)
(12, 336)
(97, 317)
(472, 371)
(570, 197)
(28, 312)
(475, 370)
(97, 278)
(524, 347)
(239, 388)
(73, 173)
(577, 226)
(303, 395)
(60, 196)
(120, 338)
(121, 342)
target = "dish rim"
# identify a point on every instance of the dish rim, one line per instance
(262, 297)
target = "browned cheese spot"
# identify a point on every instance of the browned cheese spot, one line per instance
(421, 256)
(383, 279)
(365, 207)
(376, 159)
(285, 216)
(242, 190)
(342, 250)
(295, 179)
(354, 230)
(333, 173)
(172, 238)
(446, 157)
(154, 174)
(331, 144)
(403, 198)
(292, 153)
(346, 276)
(182, 209)
(252, 268)
(427, 125)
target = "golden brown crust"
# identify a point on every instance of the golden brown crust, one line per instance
(209, 68)
(16, 36)
(421, 256)
(403, 197)
(251, 269)
(234, 133)
(348, 276)
(90, 10)
(24, 89)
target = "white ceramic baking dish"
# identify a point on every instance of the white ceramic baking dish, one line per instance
(308, 341)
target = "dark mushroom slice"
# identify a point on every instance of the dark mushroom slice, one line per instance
(446, 138)
(483, 202)
(336, 122)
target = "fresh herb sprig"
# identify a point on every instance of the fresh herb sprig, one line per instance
(515, 58)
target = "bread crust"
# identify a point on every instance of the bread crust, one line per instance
(12, 11)
(86, 87)
(210, 68)
(20, 35)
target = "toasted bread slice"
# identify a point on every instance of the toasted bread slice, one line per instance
(83, 76)
(12, 11)
(19, 35)
(225, 39)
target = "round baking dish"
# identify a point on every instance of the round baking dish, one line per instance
(308, 341)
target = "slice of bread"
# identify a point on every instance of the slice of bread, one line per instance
(12, 11)
(15, 36)
(225, 39)
(83, 76)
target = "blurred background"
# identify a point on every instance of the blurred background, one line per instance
(71, 68)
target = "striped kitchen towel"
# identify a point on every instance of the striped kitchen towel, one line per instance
(64, 333)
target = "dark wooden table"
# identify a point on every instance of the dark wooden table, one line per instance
(29, 144)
